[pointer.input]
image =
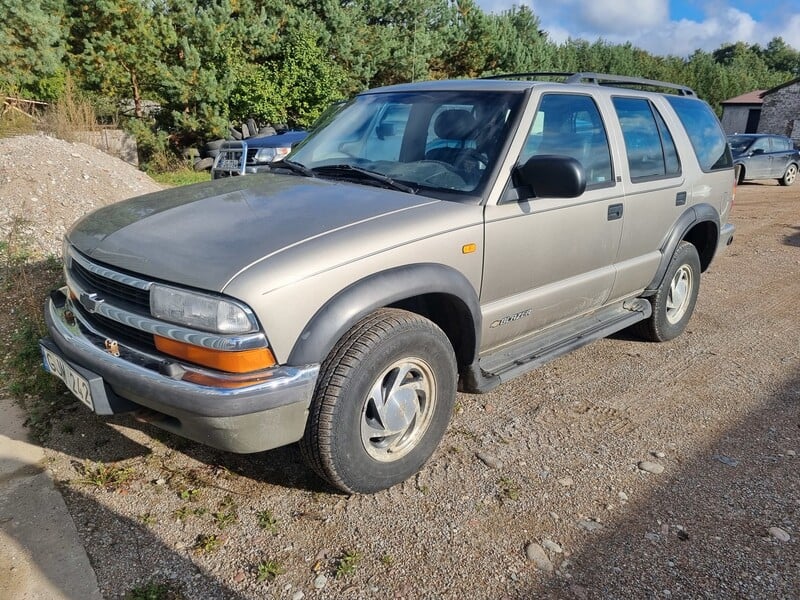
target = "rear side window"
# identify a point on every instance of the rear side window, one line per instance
(648, 142)
(704, 131)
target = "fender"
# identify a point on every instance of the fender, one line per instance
(361, 298)
(690, 217)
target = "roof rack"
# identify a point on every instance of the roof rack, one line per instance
(600, 79)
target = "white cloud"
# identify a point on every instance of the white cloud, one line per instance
(612, 16)
(646, 24)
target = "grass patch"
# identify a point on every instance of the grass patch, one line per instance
(108, 477)
(267, 521)
(268, 570)
(347, 564)
(25, 281)
(207, 543)
(180, 177)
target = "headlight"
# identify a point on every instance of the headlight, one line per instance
(268, 155)
(199, 311)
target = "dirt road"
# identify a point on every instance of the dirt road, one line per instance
(563, 511)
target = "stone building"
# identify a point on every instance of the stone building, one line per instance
(776, 110)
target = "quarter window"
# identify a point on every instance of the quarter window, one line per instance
(705, 133)
(648, 143)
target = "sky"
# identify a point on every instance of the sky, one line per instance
(677, 27)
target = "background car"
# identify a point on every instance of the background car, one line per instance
(760, 156)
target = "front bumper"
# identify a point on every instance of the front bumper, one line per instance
(254, 418)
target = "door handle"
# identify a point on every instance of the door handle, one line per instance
(614, 212)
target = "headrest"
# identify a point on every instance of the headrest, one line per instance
(455, 124)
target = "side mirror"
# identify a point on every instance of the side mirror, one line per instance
(551, 176)
(757, 151)
(385, 130)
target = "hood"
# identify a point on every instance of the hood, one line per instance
(281, 140)
(203, 235)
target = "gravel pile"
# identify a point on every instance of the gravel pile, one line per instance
(46, 184)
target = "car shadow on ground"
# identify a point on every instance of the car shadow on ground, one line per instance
(705, 531)
(97, 439)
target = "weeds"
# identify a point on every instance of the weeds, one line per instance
(189, 494)
(267, 521)
(347, 564)
(71, 118)
(207, 543)
(184, 512)
(147, 519)
(387, 560)
(509, 489)
(108, 477)
(268, 570)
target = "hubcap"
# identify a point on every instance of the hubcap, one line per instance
(680, 291)
(791, 173)
(398, 409)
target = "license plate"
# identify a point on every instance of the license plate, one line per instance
(76, 382)
(229, 164)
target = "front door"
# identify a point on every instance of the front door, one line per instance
(550, 259)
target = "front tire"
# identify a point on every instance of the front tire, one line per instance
(789, 176)
(383, 401)
(673, 303)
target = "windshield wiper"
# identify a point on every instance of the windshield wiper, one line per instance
(359, 173)
(294, 167)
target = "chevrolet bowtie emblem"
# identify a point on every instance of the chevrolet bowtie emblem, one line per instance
(90, 302)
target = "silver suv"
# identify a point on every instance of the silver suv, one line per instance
(432, 237)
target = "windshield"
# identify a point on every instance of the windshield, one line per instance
(428, 141)
(739, 143)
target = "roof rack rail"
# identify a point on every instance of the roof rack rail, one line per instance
(601, 79)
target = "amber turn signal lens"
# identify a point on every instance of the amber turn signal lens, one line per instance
(241, 361)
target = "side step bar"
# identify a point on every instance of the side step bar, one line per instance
(525, 356)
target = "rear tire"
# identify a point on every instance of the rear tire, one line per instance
(383, 401)
(789, 176)
(673, 303)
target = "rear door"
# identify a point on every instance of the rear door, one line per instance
(656, 190)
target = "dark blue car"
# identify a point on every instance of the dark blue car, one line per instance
(762, 156)
(254, 154)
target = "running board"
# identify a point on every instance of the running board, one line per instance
(525, 356)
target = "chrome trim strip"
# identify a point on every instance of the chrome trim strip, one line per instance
(248, 341)
(108, 273)
(281, 377)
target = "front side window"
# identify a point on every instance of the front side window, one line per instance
(648, 143)
(570, 125)
(434, 142)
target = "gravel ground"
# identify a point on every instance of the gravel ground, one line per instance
(624, 470)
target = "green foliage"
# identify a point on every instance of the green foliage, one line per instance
(107, 477)
(186, 70)
(32, 48)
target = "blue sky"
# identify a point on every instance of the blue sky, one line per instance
(665, 26)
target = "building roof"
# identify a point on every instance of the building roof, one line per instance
(781, 86)
(754, 97)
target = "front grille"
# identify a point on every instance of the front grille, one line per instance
(111, 290)
(121, 333)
